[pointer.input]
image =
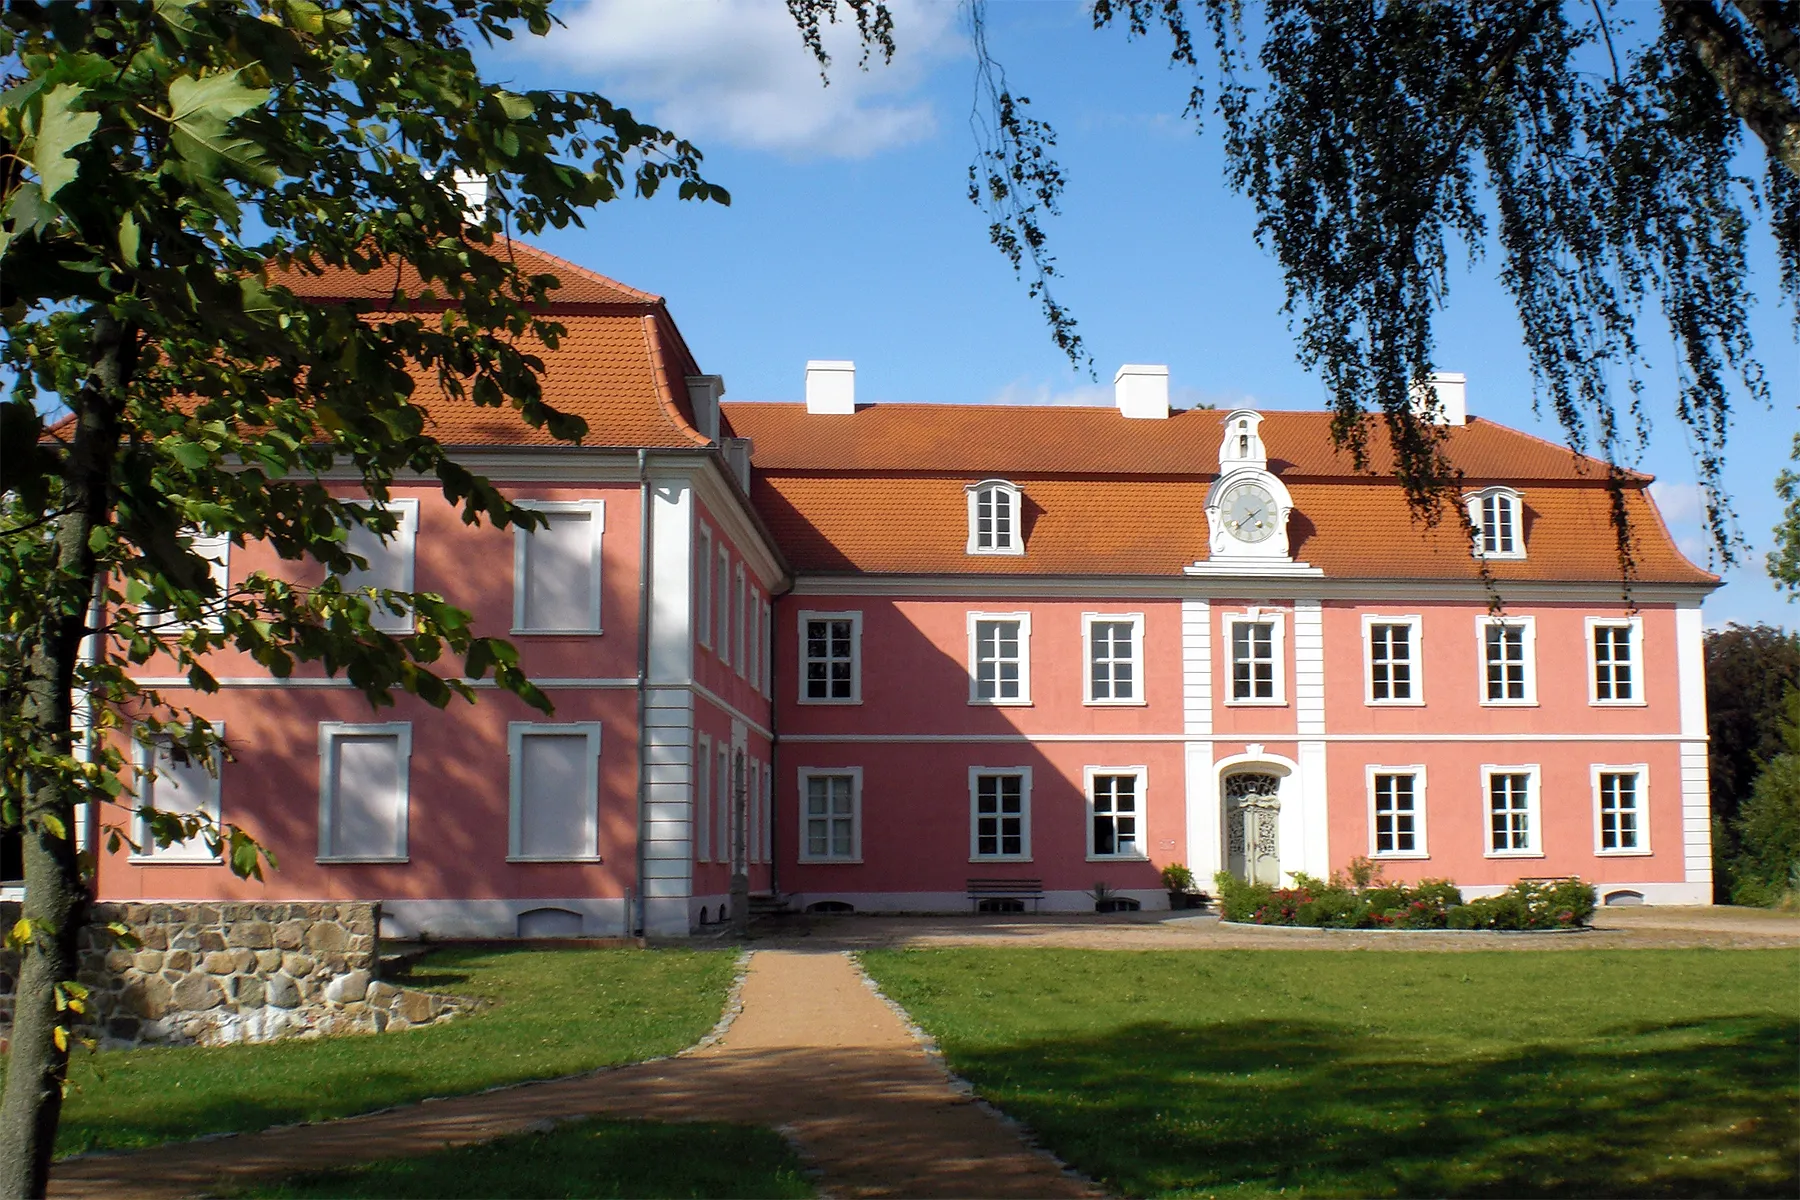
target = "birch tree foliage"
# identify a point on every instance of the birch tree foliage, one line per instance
(1615, 159)
(159, 164)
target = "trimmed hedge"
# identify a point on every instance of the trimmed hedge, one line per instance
(1364, 900)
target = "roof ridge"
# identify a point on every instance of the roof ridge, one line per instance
(590, 274)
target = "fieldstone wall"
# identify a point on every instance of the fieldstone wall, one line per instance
(212, 974)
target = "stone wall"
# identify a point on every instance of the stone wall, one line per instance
(212, 974)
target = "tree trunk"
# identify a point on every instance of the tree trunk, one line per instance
(1756, 97)
(55, 896)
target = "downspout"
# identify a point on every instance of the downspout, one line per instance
(645, 519)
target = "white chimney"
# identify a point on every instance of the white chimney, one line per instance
(1451, 390)
(474, 190)
(703, 393)
(831, 387)
(1142, 391)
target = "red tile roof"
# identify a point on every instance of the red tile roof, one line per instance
(577, 285)
(881, 492)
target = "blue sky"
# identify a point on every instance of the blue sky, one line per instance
(849, 236)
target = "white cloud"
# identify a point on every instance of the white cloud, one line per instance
(1679, 503)
(736, 71)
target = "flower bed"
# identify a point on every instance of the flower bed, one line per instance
(1363, 900)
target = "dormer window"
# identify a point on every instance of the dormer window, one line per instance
(994, 518)
(1499, 528)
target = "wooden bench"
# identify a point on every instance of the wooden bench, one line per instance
(1006, 889)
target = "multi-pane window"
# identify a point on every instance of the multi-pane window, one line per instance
(1506, 661)
(1252, 660)
(363, 791)
(1392, 656)
(994, 519)
(555, 792)
(722, 603)
(739, 597)
(830, 653)
(1001, 814)
(1495, 515)
(182, 787)
(753, 639)
(1398, 812)
(768, 811)
(1614, 678)
(828, 827)
(1511, 827)
(1114, 645)
(999, 671)
(765, 630)
(703, 617)
(390, 564)
(215, 551)
(725, 831)
(1621, 814)
(703, 799)
(1115, 799)
(556, 565)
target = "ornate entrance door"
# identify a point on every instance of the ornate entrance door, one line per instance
(1252, 805)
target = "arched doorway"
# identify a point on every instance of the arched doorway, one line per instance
(1252, 812)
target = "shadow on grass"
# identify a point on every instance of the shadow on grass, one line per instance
(1689, 1108)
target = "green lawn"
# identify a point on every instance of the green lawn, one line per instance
(600, 1158)
(558, 1011)
(1336, 1073)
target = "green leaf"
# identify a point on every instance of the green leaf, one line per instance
(129, 237)
(212, 98)
(201, 107)
(191, 455)
(53, 824)
(61, 131)
(515, 106)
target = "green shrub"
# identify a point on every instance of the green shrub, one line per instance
(1768, 829)
(1341, 903)
(1177, 877)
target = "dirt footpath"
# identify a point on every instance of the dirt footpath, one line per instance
(813, 1052)
(1641, 928)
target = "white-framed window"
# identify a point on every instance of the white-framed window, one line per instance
(1621, 813)
(1508, 659)
(555, 792)
(724, 832)
(215, 549)
(1615, 655)
(722, 603)
(768, 812)
(703, 558)
(1116, 811)
(753, 640)
(1391, 660)
(702, 798)
(1254, 658)
(831, 814)
(364, 791)
(752, 801)
(994, 518)
(739, 598)
(999, 658)
(1397, 812)
(765, 629)
(184, 788)
(556, 568)
(390, 563)
(1498, 516)
(831, 658)
(1514, 828)
(1000, 814)
(1113, 649)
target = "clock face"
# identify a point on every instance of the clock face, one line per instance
(1249, 512)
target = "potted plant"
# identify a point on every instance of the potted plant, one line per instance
(1180, 882)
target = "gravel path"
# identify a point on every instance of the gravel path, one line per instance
(814, 1052)
(1642, 928)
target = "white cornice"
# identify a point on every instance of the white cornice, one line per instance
(1239, 586)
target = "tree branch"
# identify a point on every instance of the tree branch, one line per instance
(1777, 23)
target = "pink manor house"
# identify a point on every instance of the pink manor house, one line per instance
(924, 657)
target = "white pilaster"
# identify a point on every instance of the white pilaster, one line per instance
(1696, 801)
(669, 713)
(1309, 718)
(1205, 832)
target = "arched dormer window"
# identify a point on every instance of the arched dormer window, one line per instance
(994, 518)
(1498, 515)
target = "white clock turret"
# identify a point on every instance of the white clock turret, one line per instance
(1247, 508)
